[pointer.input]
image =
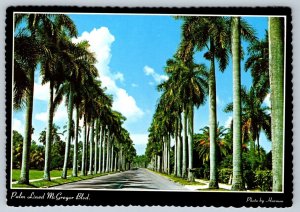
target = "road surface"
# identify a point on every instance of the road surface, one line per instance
(139, 179)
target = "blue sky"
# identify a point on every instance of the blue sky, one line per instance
(132, 51)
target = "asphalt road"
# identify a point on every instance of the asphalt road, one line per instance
(139, 179)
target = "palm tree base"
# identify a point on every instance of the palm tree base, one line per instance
(23, 181)
(213, 184)
(191, 177)
(47, 178)
(238, 187)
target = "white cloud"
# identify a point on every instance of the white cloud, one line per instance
(41, 92)
(100, 41)
(119, 76)
(220, 102)
(157, 77)
(18, 126)
(41, 116)
(139, 139)
(126, 105)
(59, 115)
(134, 85)
(228, 122)
(267, 100)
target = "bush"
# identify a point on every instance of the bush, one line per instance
(264, 180)
(224, 175)
(250, 179)
(261, 179)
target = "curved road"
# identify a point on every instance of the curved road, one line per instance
(139, 179)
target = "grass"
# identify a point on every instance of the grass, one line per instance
(178, 179)
(37, 174)
(213, 189)
(56, 182)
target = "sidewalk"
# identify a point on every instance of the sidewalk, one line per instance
(206, 182)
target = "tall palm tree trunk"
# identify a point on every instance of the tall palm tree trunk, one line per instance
(237, 180)
(184, 145)
(120, 158)
(190, 144)
(276, 48)
(96, 147)
(179, 148)
(87, 148)
(213, 179)
(68, 143)
(112, 158)
(159, 163)
(83, 157)
(175, 150)
(115, 164)
(168, 154)
(104, 150)
(91, 147)
(100, 148)
(75, 154)
(24, 176)
(49, 136)
(107, 152)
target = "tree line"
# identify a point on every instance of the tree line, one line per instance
(189, 85)
(44, 42)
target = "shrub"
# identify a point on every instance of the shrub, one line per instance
(250, 179)
(264, 180)
(224, 175)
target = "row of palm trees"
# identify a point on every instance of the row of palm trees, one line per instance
(189, 83)
(44, 41)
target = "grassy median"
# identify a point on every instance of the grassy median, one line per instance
(55, 182)
(178, 179)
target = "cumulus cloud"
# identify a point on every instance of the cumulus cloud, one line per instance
(158, 78)
(41, 92)
(18, 126)
(220, 102)
(134, 85)
(139, 139)
(59, 115)
(228, 122)
(100, 41)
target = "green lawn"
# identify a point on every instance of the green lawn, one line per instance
(55, 182)
(210, 189)
(178, 179)
(36, 174)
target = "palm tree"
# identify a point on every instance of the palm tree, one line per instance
(210, 32)
(237, 181)
(255, 116)
(187, 80)
(238, 28)
(34, 24)
(258, 63)
(82, 68)
(202, 144)
(52, 69)
(276, 58)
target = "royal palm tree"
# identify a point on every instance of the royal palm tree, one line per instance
(238, 29)
(33, 25)
(258, 63)
(276, 58)
(52, 69)
(211, 33)
(80, 65)
(255, 116)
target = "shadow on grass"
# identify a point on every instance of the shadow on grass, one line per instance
(56, 182)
